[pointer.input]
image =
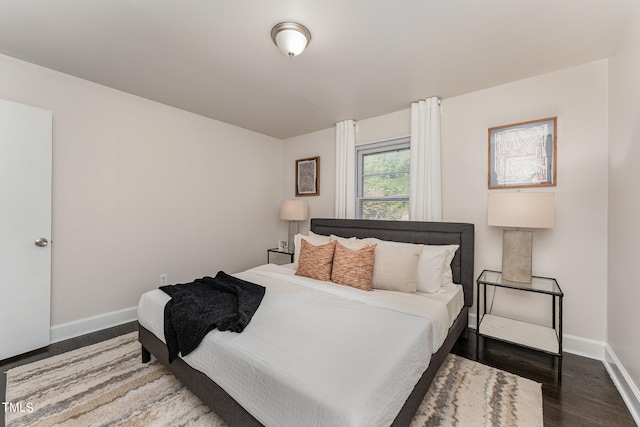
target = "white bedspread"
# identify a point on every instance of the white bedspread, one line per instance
(317, 353)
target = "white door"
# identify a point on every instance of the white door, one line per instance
(25, 220)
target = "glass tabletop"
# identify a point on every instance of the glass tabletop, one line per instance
(545, 285)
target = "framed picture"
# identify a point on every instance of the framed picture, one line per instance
(308, 176)
(523, 154)
(283, 246)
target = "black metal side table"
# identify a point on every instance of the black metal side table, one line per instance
(522, 333)
(277, 251)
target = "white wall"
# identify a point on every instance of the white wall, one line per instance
(141, 189)
(575, 250)
(314, 144)
(624, 207)
(322, 144)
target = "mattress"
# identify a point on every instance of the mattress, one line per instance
(317, 353)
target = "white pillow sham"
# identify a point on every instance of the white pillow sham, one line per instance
(434, 267)
(447, 276)
(314, 239)
(351, 243)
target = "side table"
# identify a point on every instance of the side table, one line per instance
(277, 251)
(522, 333)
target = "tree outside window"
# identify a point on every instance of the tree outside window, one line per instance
(383, 180)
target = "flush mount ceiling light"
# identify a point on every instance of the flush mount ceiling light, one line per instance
(291, 38)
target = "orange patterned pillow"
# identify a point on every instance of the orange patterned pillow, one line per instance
(353, 267)
(315, 261)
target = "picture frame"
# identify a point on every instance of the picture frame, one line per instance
(283, 246)
(523, 154)
(308, 177)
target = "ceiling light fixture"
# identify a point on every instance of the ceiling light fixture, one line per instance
(291, 38)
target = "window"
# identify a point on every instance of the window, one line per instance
(382, 188)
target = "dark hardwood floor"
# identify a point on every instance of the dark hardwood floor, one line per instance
(586, 397)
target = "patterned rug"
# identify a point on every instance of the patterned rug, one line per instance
(106, 384)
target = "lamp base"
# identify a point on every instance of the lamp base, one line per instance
(293, 230)
(516, 255)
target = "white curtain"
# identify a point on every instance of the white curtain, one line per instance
(425, 191)
(345, 169)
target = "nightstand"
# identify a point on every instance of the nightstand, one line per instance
(525, 334)
(277, 251)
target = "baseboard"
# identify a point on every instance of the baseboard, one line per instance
(583, 347)
(625, 385)
(87, 325)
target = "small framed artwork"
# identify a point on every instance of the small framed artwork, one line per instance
(283, 246)
(308, 176)
(523, 154)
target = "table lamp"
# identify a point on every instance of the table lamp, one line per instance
(293, 211)
(519, 210)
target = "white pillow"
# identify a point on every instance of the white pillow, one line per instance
(395, 266)
(351, 243)
(447, 276)
(314, 239)
(434, 267)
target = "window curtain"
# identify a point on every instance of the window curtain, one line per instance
(425, 191)
(345, 169)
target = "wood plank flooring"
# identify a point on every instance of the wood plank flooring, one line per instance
(586, 397)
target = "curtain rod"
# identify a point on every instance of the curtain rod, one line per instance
(355, 122)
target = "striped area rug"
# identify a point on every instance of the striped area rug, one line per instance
(106, 385)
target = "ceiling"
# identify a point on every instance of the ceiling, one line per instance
(366, 58)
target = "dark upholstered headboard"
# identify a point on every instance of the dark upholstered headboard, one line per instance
(428, 233)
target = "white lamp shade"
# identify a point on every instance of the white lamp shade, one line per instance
(521, 209)
(294, 210)
(291, 42)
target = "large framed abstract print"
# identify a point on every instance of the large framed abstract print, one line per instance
(308, 177)
(523, 154)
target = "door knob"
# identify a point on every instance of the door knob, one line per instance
(41, 242)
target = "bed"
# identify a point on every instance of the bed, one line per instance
(248, 375)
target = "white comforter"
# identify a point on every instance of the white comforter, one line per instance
(317, 353)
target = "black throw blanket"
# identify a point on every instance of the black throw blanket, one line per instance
(222, 302)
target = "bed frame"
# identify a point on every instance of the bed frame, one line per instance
(434, 233)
